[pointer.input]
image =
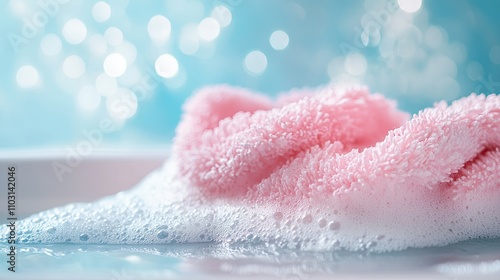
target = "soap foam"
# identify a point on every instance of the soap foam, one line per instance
(163, 209)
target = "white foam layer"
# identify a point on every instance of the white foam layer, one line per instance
(164, 209)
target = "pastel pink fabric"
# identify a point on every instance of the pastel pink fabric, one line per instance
(314, 143)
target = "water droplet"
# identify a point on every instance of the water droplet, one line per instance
(51, 230)
(278, 216)
(322, 222)
(162, 234)
(371, 245)
(334, 226)
(84, 237)
(307, 219)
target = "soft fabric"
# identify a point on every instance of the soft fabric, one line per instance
(233, 143)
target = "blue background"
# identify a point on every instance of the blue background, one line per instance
(444, 50)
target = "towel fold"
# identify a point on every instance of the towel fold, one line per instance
(232, 143)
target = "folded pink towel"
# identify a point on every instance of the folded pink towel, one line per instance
(354, 157)
(235, 143)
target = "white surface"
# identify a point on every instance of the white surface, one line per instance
(98, 174)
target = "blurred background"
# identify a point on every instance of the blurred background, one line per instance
(115, 73)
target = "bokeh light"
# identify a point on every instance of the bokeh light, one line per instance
(255, 62)
(222, 15)
(88, 98)
(166, 66)
(410, 6)
(189, 42)
(74, 31)
(209, 29)
(115, 65)
(51, 44)
(27, 76)
(159, 28)
(355, 64)
(105, 85)
(98, 44)
(101, 11)
(73, 66)
(279, 40)
(114, 36)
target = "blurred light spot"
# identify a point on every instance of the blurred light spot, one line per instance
(50, 44)
(410, 6)
(105, 85)
(133, 259)
(101, 11)
(88, 98)
(114, 36)
(74, 31)
(222, 15)
(19, 8)
(27, 76)
(255, 62)
(495, 54)
(128, 51)
(97, 44)
(188, 42)
(335, 66)
(122, 104)
(115, 65)
(159, 28)
(447, 88)
(73, 67)
(355, 64)
(475, 71)
(279, 40)
(433, 37)
(166, 66)
(208, 29)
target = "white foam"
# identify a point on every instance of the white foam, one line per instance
(164, 209)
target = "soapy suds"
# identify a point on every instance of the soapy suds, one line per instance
(439, 188)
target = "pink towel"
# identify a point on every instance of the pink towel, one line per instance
(232, 143)
(343, 167)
